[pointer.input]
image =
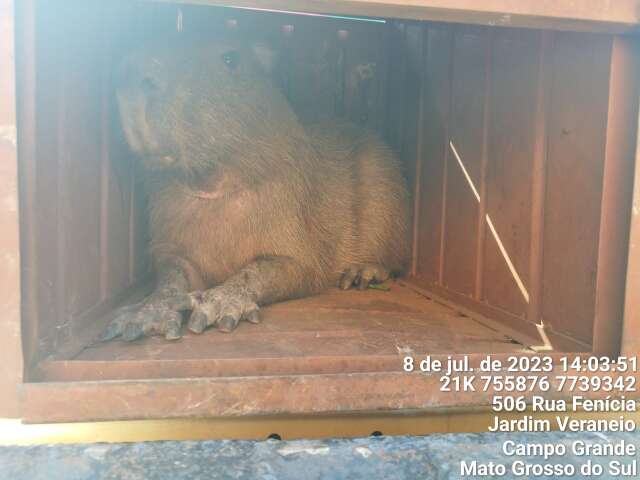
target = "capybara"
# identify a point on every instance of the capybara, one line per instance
(247, 204)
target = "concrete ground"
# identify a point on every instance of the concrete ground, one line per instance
(410, 458)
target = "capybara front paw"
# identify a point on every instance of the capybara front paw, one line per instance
(362, 275)
(223, 306)
(152, 316)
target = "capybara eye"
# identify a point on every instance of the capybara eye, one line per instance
(230, 59)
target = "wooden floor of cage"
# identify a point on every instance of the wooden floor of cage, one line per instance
(333, 332)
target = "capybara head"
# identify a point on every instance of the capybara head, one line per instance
(190, 104)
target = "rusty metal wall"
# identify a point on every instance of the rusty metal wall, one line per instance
(82, 211)
(516, 134)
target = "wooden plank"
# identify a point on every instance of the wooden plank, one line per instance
(576, 150)
(594, 15)
(11, 361)
(509, 170)
(464, 159)
(616, 194)
(435, 146)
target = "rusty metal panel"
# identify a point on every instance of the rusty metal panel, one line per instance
(115, 203)
(396, 78)
(78, 179)
(526, 178)
(237, 396)
(418, 161)
(55, 183)
(409, 105)
(527, 333)
(576, 150)
(619, 162)
(10, 330)
(630, 344)
(243, 396)
(437, 93)
(411, 91)
(464, 158)
(511, 118)
(77, 122)
(39, 191)
(539, 175)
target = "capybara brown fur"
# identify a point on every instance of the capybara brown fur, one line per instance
(247, 205)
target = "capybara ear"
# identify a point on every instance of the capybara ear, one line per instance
(265, 56)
